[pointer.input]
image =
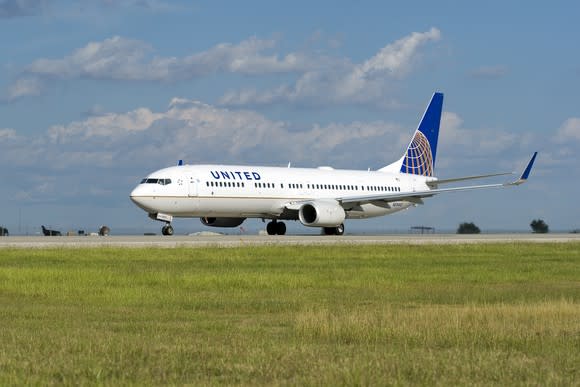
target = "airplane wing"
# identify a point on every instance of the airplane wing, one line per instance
(436, 182)
(417, 196)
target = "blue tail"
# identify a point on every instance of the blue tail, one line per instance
(420, 156)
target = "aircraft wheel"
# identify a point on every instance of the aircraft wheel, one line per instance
(280, 228)
(339, 230)
(271, 227)
(167, 230)
(328, 230)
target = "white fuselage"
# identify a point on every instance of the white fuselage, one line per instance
(262, 192)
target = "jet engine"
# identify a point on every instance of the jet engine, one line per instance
(321, 214)
(222, 222)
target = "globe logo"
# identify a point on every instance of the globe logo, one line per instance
(419, 160)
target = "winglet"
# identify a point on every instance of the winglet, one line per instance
(527, 171)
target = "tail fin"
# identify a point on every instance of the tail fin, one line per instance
(419, 159)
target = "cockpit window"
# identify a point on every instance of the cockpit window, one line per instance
(156, 181)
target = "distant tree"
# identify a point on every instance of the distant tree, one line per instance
(468, 228)
(539, 226)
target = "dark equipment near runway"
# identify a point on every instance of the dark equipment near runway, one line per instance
(104, 231)
(4, 231)
(48, 232)
(422, 230)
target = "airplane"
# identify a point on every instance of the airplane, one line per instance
(226, 195)
(48, 232)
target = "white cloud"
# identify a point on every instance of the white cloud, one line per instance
(396, 58)
(344, 82)
(197, 132)
(24, 87)
(200, 133)
(569, 131)
(111, 126)
(7, 134)
(114, 58)
(465, 149)
(483, 141)
(321, 79)
(119, 58)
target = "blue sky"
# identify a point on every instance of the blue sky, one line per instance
(96, 94)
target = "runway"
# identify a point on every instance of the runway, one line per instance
(264, 240)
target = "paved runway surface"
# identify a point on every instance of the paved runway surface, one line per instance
(260, 240)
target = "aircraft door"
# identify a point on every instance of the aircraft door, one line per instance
(192, 187)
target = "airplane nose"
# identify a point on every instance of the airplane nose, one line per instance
(136, 196)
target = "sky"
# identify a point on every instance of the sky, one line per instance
(95, 95)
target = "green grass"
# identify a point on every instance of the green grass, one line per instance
(488, 314)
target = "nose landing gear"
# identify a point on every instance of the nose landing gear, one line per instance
(167, 229)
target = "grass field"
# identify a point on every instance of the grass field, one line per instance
(489, 314)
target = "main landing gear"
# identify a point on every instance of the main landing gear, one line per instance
(276, 228)
(167, 229)
(338, 230)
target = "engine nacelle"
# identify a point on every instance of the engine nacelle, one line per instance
(321, 214)
(222, 222)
